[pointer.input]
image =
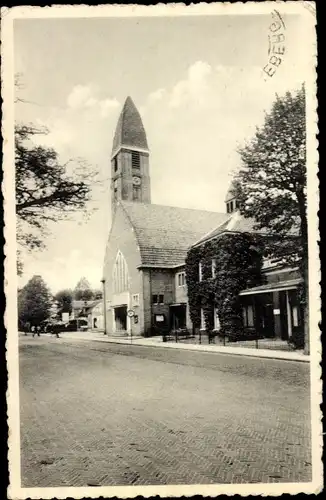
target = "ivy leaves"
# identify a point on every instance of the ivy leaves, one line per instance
(238, 263)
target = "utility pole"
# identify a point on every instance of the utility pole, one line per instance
(104, 305)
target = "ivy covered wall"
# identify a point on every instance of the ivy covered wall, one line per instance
(239, 259)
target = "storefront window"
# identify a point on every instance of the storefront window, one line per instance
(295, 316)
(248, 315)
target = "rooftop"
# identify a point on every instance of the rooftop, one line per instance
(165, 234)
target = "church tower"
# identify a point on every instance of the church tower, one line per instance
(130, 179)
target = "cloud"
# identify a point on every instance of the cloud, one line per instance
(157, 95)
(85, 96)
(82, 127)
(107, 105)
(79, 96)
(193, 88)
(190, 89)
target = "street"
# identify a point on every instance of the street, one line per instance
(107, 414)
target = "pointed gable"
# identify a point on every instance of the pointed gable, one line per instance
(130, 132)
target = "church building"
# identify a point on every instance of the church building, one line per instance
(147, 245)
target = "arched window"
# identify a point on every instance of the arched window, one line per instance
(120, 274)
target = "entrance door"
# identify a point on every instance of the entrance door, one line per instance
(265, 314)
(120, 317)
(178, 316)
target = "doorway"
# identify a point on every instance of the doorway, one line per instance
(265, 315)
(178, 316)
(120, 318)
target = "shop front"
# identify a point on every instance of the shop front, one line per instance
(273, 311)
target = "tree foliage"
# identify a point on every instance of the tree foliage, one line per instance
(271, 184)
(83, 290)
(45, 192)
(34, 302)
(238, 259)
(63, 299)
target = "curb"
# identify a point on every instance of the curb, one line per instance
(255, 354)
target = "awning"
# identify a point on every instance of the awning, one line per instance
(273, 287)
(179, 304)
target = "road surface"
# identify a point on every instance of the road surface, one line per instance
(107, 414)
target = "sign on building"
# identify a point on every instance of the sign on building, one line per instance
(65, 317)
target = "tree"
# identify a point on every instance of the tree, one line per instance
(98, 294)
(83, 290)
(34, 302)
(271, 185)
(45, 191)
(64, 301)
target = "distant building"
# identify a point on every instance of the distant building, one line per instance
(95, 316)
(80, 308)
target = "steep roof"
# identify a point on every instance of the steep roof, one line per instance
(165, 234)
(237, 223)
(130, 131)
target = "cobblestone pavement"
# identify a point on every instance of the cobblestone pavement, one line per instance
(108, 414)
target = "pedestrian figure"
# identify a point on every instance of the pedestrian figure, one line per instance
(38, 330)
(56, 331)
(33, 330)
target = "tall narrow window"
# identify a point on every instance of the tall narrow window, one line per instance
(120, 274)
(135, 160)
(217, 325)
(115, 163)
(136, 193)
(213, 268)
(202, 320)
(248, 316)
(181, 279)
(295, 316)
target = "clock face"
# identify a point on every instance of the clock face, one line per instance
(136, 181)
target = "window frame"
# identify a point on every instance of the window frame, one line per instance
(155, 302)
(213, 268)
(135, 299)
(200, 272)
(246, 316)
(217, 323)
(181, 279)
(202, 319)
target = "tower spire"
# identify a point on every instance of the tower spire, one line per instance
(130, 132)
(130, 179)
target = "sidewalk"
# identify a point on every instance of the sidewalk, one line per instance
(158, 342)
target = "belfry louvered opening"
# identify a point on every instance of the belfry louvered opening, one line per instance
(135, 160)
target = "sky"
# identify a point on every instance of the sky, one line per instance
(198, 83)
